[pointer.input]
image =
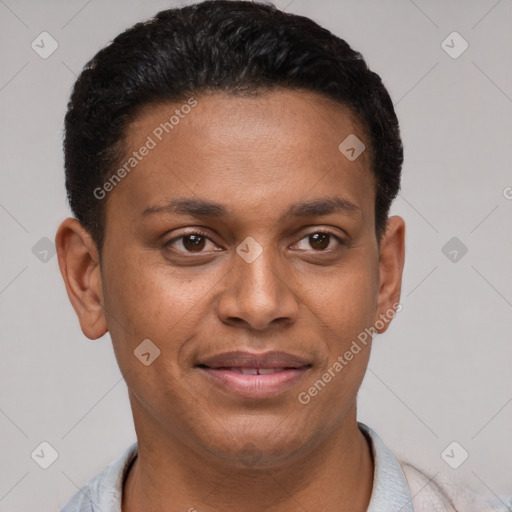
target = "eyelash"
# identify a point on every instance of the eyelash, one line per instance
(203, 234)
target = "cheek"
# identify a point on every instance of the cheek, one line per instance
(346, 305)
(138, 306)
(147, 299)
(143, 294)
(143, 303)
(348, 299)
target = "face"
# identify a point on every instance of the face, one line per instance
(244, 229)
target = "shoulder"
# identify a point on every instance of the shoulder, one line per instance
(103, 492)
(433, 494)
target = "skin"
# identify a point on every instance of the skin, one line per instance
(255, 156)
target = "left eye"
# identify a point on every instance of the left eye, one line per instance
(320, 240)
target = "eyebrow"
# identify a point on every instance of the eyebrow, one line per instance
(204, 208)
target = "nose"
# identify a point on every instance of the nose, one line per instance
(259, 294)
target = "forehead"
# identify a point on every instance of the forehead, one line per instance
(260, 150)
(290, 114)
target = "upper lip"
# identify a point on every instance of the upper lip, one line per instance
(239, 359)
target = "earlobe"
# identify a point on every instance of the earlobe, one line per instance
(391, 265)
(80, 268)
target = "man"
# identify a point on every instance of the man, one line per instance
(231, 169)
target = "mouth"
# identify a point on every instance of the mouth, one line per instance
(253, 371)
(255, 376)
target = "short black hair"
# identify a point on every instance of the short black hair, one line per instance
(236, 47)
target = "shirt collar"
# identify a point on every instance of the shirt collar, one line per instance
(390, 489)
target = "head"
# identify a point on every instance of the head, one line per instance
(231, 169)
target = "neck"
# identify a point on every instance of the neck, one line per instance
(335, 476)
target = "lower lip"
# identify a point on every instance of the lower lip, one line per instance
(255, 386)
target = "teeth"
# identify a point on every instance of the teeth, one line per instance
(254, 371)
(249, 371)
(257, 371)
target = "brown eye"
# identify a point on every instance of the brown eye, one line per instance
(320, 241)
(189, 243)
(194, 242)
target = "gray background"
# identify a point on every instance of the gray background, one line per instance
(442, 371)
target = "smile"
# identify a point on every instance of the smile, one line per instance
(255, 371)
(254, 375)
(254, 383)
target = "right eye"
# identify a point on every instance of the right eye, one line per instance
(192, 242)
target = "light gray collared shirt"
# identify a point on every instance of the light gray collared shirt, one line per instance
(391, 487)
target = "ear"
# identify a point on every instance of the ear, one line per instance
(391, 265)
(79, 265)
